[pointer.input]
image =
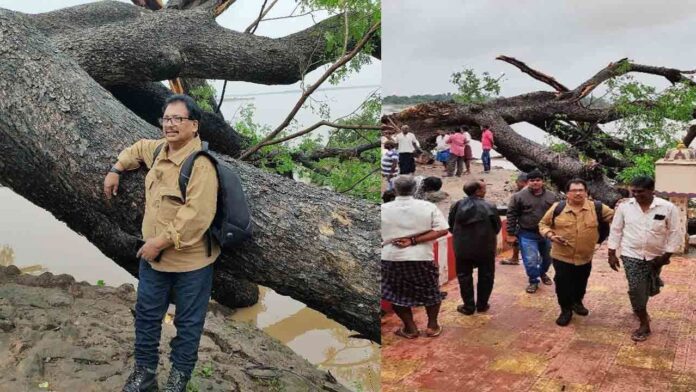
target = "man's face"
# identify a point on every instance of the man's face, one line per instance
(642, 195)
(535, 184)
(577, 193)
(404, 130)
(182, 132)
(521, 184)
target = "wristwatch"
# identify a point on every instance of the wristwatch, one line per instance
(115, 170)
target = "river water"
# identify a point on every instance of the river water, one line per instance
(41, 242)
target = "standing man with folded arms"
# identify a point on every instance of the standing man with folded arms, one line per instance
(175, 257)
(646, 231)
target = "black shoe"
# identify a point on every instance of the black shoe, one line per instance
(467, 310)
(547, 281)
(564, 318)
(141, 380)
(483, 309)
(580, 309)
(177, 381)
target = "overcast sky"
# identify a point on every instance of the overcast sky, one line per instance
(272, 102)
(425, 42)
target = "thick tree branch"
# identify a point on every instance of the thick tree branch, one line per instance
(338, 64)
(140, 47)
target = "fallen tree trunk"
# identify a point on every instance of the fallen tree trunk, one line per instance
(60, 132)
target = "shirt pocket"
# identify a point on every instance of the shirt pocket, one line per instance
(170, 201)
(658, 226)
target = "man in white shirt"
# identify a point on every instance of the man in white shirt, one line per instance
(409, 274)
(646, 230)
(408, 144)
(442, 148)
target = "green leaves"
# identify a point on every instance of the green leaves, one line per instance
(203, 95)
(472, 88)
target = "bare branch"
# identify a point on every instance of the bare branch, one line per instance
(338, 64)
(313, 127)
(252, 27)
(359, 181)
(551, 81)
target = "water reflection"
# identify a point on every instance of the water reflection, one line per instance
(322, 341)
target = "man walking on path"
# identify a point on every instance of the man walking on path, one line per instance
(487, 144)
(521, 182)
(646, 230)
(525, 210)
(408, 144)
(475, 225)
(573, 227)
(390, 163)
(442, 148)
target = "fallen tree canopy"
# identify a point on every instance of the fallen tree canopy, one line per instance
(60, 131)
(561, 113)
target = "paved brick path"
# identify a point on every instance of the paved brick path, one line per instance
(516, 346)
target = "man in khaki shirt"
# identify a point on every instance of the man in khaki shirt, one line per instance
(574, 234)
(176, 257)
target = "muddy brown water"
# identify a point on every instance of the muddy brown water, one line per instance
(41, 242)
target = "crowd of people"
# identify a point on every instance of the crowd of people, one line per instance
(545, 229)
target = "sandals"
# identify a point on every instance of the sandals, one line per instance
(509, 262)
(532, 288)
(433, 333)
(640, 336)
(402, 332)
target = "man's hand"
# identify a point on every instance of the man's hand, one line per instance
(151, 249)
(110, 185)
(559, 240)
(614, 261)
(402, 242)
(662, 260)
(511, 239)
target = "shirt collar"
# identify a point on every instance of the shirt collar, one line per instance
(404, 198)
(179, 156)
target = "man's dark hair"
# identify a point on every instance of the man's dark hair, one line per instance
(388, 196)
(522, 177)
(471, 187)
(432, 184)
(194, 112)
(644, 182)
(576, 181)
(535, 174)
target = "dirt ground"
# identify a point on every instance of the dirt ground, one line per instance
(500, 182)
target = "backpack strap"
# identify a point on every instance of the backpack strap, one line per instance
(557, 211)
(156, 152)
(185, 176)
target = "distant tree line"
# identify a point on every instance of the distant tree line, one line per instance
(416, 99)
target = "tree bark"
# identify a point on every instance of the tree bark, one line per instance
(132, 44)
(60, 131)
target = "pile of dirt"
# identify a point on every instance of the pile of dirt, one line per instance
(60, 335)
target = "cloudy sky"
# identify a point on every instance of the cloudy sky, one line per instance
(425, 42)
(272, 103)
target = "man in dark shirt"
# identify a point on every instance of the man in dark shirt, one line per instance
(475, 224)
(525, 210)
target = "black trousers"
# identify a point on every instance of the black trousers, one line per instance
(407, 163)
(571, 282)
(486, 276)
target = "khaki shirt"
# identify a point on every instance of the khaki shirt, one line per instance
(579, 229)
(183, 225)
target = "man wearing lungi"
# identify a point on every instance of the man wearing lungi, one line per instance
(409, 274)
(646, 230)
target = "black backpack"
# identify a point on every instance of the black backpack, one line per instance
(602, 227)
(232, 222)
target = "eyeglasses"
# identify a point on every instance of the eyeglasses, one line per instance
(176, 120)
(576, 191)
